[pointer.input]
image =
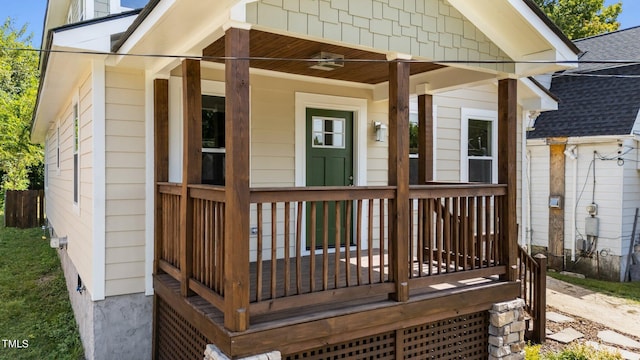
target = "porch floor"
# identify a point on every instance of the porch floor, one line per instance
(307, 326)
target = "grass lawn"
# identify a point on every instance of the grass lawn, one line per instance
(626, 290)
(34, 303)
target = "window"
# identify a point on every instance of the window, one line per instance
(58, 149)
(213, 147)
(479, 146)
(328, 132)
(76, 160)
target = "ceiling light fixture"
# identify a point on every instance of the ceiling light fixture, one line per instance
(328, 61)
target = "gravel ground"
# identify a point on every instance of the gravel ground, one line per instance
(587, 327)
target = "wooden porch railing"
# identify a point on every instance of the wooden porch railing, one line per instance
(168, 225)
(334, 260)
(454, 232)
(533, 278)
(346, 255)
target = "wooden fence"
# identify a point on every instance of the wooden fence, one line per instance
(24, 208)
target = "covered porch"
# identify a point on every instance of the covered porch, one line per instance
(255, 269)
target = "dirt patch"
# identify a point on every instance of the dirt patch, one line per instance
(587, 327)
(44, 280)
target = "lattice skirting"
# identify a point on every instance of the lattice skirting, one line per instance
(176, 338)
(461, 337)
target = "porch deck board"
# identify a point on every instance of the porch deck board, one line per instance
(379, 271)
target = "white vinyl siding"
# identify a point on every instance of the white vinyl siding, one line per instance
(125, 182)
(539, 188)
(630, 201)
(612, 182)
(74, 222)
(608, 196)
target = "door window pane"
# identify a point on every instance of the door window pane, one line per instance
(328, 132)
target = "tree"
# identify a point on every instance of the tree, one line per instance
(582, 18)
(18, 89)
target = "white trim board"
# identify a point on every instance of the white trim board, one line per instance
(99, 181)
(479, 114)
(318, 101)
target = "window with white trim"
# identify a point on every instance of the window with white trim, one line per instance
(76, 156)
(58, 149)
(213, 140)
(479, 146)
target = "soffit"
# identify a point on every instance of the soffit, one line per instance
(369, 67)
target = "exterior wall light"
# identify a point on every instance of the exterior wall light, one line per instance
(379, 129)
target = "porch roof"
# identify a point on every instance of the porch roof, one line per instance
(517, 27)
(289, 54)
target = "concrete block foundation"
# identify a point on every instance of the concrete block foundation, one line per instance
(118, 327)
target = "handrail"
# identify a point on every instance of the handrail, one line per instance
(533, 278)
(456, 190)
(321, 193)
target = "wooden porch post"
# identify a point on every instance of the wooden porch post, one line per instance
(425, 138)
(236, 228)
(507, 172)
(191, 163)
(557, 166)
(399, 176)
(161, 154)
(161, 174)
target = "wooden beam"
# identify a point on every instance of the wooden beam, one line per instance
(399, 176)
(161, 155)
(425, 139)
(507, 172)
(557, 162)
(293, 336)
(236, 234)
(191, 163)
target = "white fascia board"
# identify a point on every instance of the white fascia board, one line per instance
(438, 81)
(537, 142)
(541, 101)
(64, 70)
(152, 19)
(562, 51)
(92, 37)
(577, 140)
(635, 130)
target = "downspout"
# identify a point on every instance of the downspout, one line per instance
(529, 212)
(525, 196)
(574, 216)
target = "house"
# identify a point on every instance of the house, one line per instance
(236, 172)
(590, 146)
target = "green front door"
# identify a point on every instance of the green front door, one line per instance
(329, 137)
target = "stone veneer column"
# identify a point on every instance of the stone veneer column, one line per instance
(213, 353)
(506, 330)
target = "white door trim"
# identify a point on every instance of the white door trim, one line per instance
(330, 102)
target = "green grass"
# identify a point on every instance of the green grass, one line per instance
(627, 290)
(34, 303)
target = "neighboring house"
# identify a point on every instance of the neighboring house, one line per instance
(585, 154)
(178, 170)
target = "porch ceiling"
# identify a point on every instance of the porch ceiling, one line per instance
(274, 46)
